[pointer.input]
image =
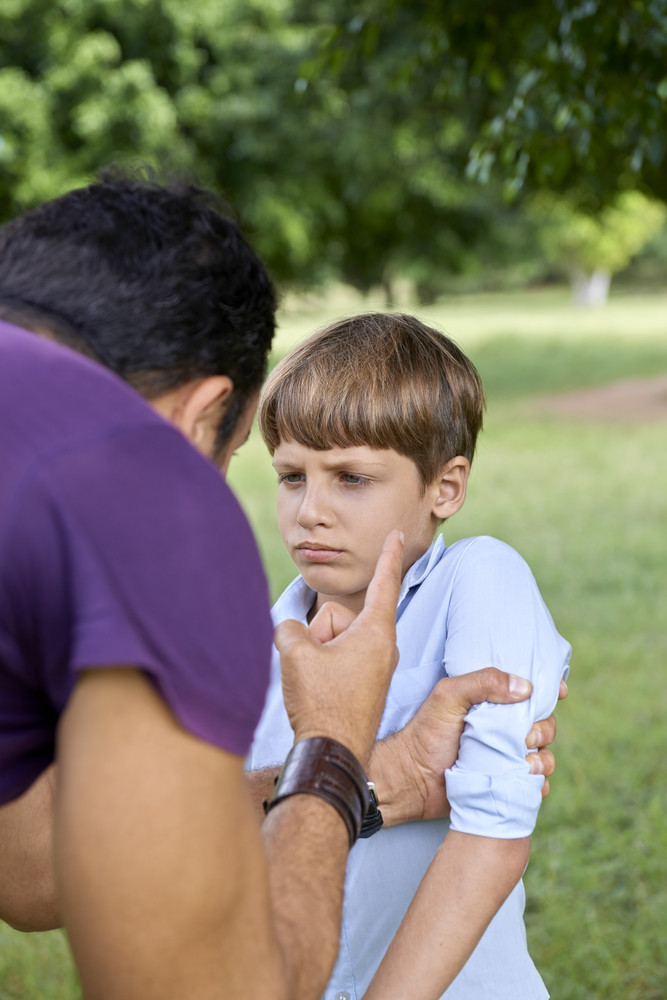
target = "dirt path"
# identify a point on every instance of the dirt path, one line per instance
(631, 399)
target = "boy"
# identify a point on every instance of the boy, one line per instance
(372, 425)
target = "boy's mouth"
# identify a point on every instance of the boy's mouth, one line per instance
(316, 552)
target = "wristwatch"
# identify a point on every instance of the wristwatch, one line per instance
(373, 819)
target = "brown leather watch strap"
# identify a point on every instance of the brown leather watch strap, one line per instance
(323, 767)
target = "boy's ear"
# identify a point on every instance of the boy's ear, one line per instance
(450, 488)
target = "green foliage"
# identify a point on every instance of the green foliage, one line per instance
(577, 241)
(79, 88)
(561, 94)
(349, 136)
(206, 88)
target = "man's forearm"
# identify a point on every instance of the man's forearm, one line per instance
(399, 791)
(398, 783)
(307, 847)
(27, 883)
(409, 766)
(261, 784)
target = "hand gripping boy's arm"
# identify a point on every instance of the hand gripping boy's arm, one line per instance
(408, 767)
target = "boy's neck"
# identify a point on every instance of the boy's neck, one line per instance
(352, 603)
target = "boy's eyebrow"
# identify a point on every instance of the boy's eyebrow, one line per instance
(339, 462)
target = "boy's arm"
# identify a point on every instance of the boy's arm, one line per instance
(495, 615)
(466, 883)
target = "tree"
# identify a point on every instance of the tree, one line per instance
(368, 140)
(592, 249)
(556, 94)
(77, 88)
(328, 183)
(205, 88)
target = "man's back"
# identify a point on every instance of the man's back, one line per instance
(109, 522)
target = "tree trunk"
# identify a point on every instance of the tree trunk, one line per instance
(590, 289)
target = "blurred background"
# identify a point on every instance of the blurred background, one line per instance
(498, 168)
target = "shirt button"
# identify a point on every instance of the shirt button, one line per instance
(342, 995)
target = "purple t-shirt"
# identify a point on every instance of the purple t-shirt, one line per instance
(119, 545)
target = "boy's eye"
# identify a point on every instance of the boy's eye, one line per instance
(352, 479)
(290, 477)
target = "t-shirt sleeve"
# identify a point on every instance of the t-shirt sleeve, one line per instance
(163, 574)
(497, 618)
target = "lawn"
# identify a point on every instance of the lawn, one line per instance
(585, 503)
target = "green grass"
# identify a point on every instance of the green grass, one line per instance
(585, 503)
(36, 967)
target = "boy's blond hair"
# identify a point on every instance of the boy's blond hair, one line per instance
(379, 379)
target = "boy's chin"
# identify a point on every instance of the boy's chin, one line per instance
(327, 590)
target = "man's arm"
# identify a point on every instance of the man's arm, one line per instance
(261, 784)
(466, 883)
(162, 878)
(408, 767)
(28, 896)
(162, 870)
(167, 886)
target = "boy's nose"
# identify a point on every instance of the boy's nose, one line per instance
(314, 510)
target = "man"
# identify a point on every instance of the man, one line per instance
(134, 625)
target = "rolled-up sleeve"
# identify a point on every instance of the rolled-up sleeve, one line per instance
(497, 618)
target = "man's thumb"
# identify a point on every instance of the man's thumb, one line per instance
(288, 634)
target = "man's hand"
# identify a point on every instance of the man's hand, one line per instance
(408, 767)
(540, 736)
(322, 665)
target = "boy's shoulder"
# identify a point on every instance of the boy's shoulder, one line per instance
(482, 545)
(471, 566)
(483, 548)
(481, 562)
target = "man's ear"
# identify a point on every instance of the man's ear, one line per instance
(450, 487)
(196, 407)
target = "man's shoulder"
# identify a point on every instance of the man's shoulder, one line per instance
(71, 421)
(53, 400)
(31, 359)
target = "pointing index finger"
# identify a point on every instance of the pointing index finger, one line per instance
(383, 590)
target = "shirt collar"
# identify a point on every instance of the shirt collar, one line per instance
(422, 567)
(294, 602)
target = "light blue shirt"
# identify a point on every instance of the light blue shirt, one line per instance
(471, 605)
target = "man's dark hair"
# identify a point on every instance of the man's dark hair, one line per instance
(155, 281)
